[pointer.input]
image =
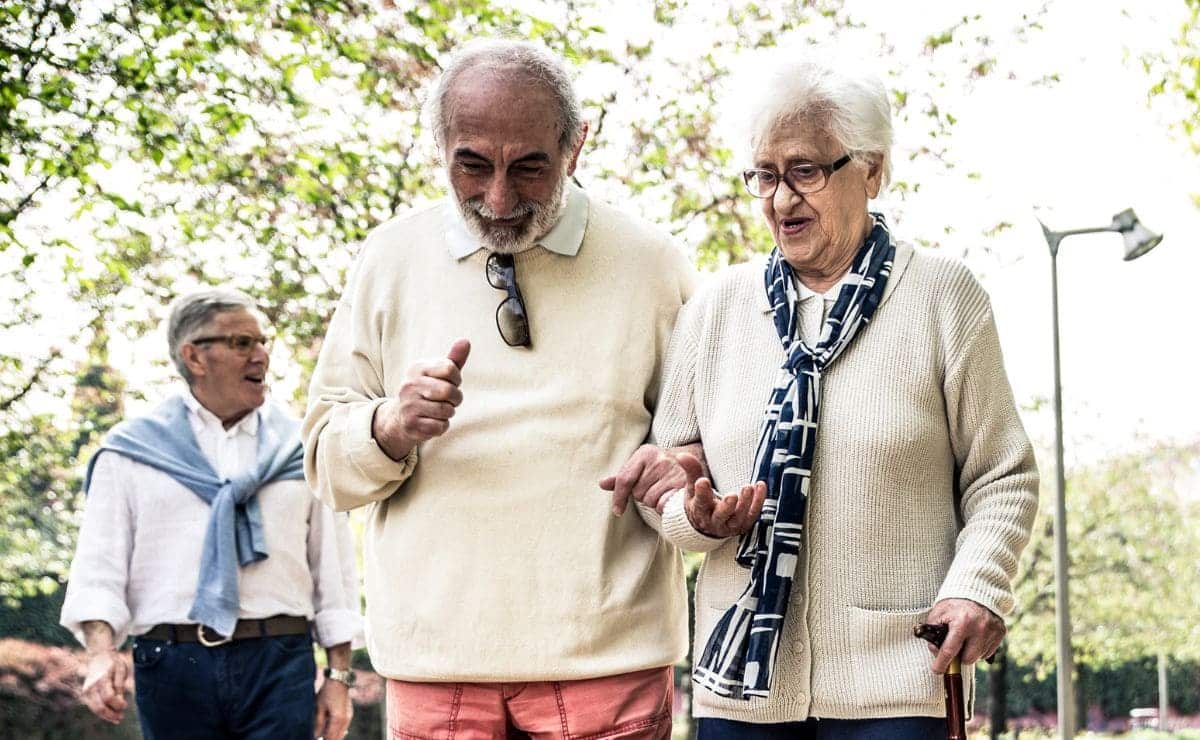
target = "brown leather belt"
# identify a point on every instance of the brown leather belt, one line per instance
(277, 626)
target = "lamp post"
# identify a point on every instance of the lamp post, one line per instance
(1138, 241)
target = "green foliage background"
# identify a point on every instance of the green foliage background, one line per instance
(153, 146)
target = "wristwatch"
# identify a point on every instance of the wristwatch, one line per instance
(337, 674)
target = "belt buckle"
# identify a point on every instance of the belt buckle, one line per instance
(210, 643)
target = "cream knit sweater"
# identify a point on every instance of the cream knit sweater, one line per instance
(491, 552)
(924, 483)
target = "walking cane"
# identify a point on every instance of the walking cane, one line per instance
(956, 709)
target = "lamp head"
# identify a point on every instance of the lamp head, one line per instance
(1138, 239)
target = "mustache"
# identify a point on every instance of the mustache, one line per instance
(521, 210)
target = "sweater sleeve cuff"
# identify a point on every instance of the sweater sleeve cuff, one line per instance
(366, 454)
(95, 605)
(678, 529)
(1000, 602)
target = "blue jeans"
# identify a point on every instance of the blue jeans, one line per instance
(891, 728)
(252, 689)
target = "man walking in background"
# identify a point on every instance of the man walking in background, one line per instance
(201, 539)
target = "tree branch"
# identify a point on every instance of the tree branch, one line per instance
(30, 383)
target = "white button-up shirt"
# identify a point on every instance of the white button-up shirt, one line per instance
(138, 556)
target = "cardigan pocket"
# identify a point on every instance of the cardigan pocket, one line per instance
(893, 668)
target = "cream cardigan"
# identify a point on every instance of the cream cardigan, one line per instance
(924, 486)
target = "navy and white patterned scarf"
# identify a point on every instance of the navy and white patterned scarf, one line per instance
(740, 655)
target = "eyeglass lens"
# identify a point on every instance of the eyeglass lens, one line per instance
(245, 343)
(763, 183)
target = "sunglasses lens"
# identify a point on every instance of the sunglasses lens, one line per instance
(499, 274)
(511, 321)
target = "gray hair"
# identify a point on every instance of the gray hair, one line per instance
(512, 60)
(840, 95)
(191, 313)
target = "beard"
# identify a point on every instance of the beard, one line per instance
(537, 219)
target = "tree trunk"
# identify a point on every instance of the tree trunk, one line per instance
(1083, 692)
(1164, 702)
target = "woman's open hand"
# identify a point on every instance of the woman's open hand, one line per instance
(719, 516)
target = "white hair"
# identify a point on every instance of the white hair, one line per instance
(838, 95)
(517, 60)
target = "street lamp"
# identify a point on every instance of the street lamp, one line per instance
(1138, 241)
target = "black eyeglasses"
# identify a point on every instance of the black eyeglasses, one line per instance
(511, 318)
(243, 344)
(802, 178)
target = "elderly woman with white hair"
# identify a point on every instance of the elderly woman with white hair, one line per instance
(899, 484)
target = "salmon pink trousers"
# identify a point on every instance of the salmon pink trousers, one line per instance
(634, 705)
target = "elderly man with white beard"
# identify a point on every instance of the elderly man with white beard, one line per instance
(503, 595)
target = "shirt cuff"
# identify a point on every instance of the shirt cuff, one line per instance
(366, 454)
(335, 626)
(678, 529)
(95, 605)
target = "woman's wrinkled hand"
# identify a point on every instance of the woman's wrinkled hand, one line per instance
(714, 515)
(975, 632)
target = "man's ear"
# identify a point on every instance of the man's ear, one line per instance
(193, 360)
(583, 132)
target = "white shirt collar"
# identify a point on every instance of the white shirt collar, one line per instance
(247, 425)
(804, 292)
(904, 253)
(565, 238)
